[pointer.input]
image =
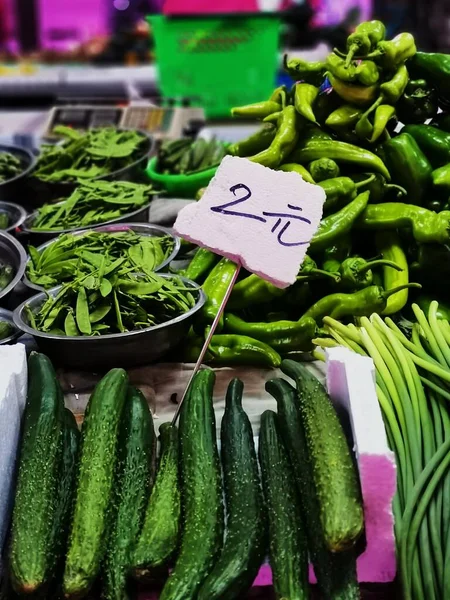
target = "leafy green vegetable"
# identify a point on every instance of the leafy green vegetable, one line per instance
(6, 275)
(91, 203)
(133, 301)
(85, 155)
(71, 255)
(6, 329)
(10, 167)
(187, 156)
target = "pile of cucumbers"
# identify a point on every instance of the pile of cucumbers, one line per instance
(93, 514)
(185, 156)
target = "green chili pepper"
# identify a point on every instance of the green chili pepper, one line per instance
(284, 141)
(435, 144)
(336, 253)
(256, 142)
(215, 288)
(326, 103)
(360, 95)
(303, 70)
(435, 69)
(418, 103)
(312, 132)
(341, 189)
(324, 168)
(201, 265)
(365, 37)
(356, 272)
(309, 269)
(363, 303)
(338, 224)
(344, 117)
(284, 336)
(441, 178)
(383, 114)
(310, 150)
(253, 290)
(258, 110)
(304, 96)
(426, 226)
(395, 52)
(377, 186)
(300, 169)
(364, 128)
(365, 72)
(389, 246)
(232, 349)
(409, 166)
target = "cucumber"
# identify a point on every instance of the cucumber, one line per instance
(245, 539)
(33, 544)
(158, 540)
(334, 473)
(132, 484)
(335, 573)
(287, 539)
(202, 495)
(94, 484)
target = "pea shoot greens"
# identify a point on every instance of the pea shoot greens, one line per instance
(90, 154)
(91, 203)
(71, 256)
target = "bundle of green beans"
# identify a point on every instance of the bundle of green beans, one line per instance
(185, 156)
(10, 166)
(413, 388)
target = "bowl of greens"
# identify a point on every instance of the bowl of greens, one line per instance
(13, 259)
(92, 203)
(15, 166)
(106, 153)
(8, 331)
(140, 246)
(11, 216)
(106, 320)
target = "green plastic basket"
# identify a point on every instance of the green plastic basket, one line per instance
(219, 62)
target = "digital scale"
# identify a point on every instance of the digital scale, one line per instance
(162, 122)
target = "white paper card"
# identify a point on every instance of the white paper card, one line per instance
(258, 217)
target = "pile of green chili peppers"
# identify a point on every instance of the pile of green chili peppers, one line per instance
(386, 223)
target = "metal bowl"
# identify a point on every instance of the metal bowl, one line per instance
(12, 253)
(6, 315)
(130, 349)
(15, 188)
(38, 237)
(141, 228)
(16, 215)
(43, 192)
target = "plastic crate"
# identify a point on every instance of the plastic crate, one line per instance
(218, 62)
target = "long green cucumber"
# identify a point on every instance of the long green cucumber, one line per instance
(335, 572)
(287, 537)
(202, 495)
(33, 544)
(333, 470)
(94, 484)
(245, 539)
(159, 537)
(134, 475)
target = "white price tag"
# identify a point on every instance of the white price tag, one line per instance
(257, 217)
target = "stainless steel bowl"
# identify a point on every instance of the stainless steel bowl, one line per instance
(6, 315)
(12, 253)
(113, 350)
(16, 215)
(38, 237)
(141, 228)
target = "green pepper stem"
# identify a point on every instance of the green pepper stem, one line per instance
(374, 106)
(400, 288)
(339, 53)
(365, 182)
(335, 276)
(379, 263)
(400, 190)
(285, 61)
(350, 54)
